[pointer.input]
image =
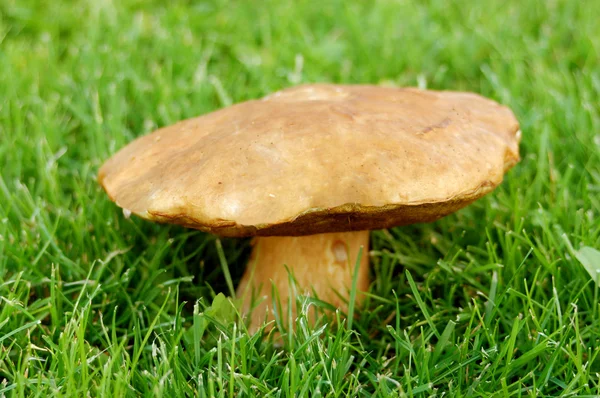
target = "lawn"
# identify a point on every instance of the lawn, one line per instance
(498, 299)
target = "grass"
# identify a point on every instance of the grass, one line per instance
(496, 300)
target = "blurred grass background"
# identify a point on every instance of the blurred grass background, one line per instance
(496, 300)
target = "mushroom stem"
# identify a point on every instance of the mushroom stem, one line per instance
(322, 265)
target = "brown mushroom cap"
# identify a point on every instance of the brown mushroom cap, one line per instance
(318, 158)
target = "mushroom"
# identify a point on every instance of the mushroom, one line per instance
(309, 170)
